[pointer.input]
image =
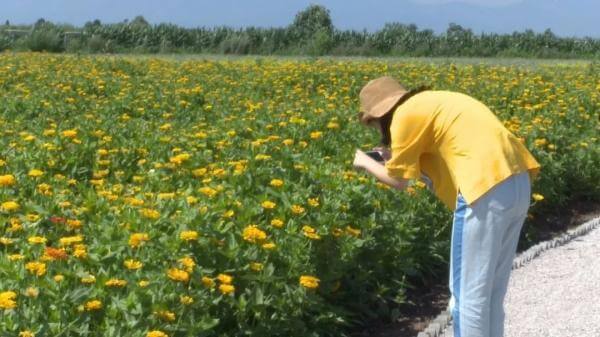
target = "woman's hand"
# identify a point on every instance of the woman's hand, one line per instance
(361, 160)
(364, 162)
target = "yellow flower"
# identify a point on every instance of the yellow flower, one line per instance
(333, 125)
(7, 180)
(133, 264)
(116, 283)
(143, 283)
(133, 201)
(7, 300)
(179, 159)
(253, 234)
(277, 223)
(93, 305)
(150, 213)
(6, 241)
(276, 183)
(73, 224)
(353, 231)
(165, 315)
(314, 202)
(156, 333)
(226, 289)
(69, 240)
(256, 266)
(537, 197)
(16, 257)
(179, 275)
(15, 222)
(208, 282)
(186, 300)
(9, 206)
(35, 173)
(316, 135)
(166, 196)
(191, 200)
(26, 333)
(228, 214)
(36, 240)
(188, 263)
(44, 189)
(269, 246)
(309, 282)
(89, 279)
(37, 268)
(32, 292)
(261, 156)
(540, 142)
(58, 278)
(310, 232)
(297, 209)
(69, 133)
(137, 239)
(207, 191)
(224, 278)
(188, 235)
(199, 172)
(268, 204)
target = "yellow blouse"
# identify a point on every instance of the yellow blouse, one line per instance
(457, 142)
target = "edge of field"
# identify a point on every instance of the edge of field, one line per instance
(508, 61)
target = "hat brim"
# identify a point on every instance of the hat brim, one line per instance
(380, 108)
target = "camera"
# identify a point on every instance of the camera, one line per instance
(378, 156)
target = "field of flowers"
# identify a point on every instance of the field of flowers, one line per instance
(154, 197)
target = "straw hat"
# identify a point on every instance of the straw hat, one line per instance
(378, 97)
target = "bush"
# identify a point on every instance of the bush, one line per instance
(235, 44)
(320, 44)
(45, 40)
(5, 42)
(96, 44)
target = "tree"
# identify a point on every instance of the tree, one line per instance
(313, 19)
(92, 25)
(459, 40)
(139, 21)
(39, 23)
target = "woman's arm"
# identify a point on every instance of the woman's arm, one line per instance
(362, 161)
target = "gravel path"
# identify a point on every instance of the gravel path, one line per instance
(557, 293)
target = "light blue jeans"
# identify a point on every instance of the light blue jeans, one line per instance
(484, 242)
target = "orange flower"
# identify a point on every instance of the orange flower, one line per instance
(56, 253)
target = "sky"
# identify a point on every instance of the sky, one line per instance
(563, 17)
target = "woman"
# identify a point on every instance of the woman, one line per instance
(478, 169)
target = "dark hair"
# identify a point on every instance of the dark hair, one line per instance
(386, 120)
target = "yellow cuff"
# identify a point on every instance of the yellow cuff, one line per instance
(403, 172)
